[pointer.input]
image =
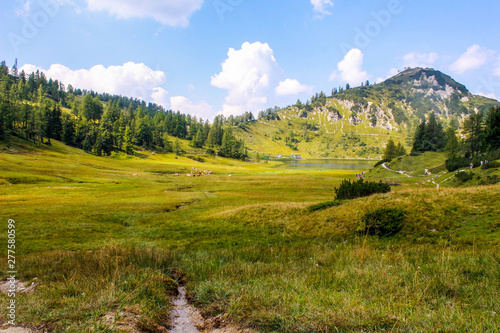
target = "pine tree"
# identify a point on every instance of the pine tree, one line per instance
(127, 141)
(452, 146)
(68, 135)
(391, 151)
(57, 127)
(401, 151)
(144, 134)
(198, 139)
(492, 129)
(429, 136)
(167, 145)
(473, 128)
(177, 147)
(91, 108)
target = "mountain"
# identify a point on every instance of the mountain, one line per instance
(358, 122)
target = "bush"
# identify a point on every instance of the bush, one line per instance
(323, 205)
(464, 176)
(380, 163)
(490, 180)
(196, 158)
(384, 222)
(491, 165)
(360, 188)
(454, 164)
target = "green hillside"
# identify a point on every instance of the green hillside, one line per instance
(358, 122)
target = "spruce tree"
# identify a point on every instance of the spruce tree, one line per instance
(198, 139)
(492, 129)
(167, 145)
(68, 136)
(401, 151)
(127, 141)
(473, 129)
(452, 146)
(391, 151)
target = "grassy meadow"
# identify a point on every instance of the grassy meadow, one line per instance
(107, 240)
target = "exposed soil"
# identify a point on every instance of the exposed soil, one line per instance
(187, 319)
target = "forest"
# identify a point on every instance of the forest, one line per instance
(38, 109)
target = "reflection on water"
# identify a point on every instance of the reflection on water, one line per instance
(336, 164)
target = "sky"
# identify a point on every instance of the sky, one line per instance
(209, 57)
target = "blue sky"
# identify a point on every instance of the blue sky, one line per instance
(205, 57)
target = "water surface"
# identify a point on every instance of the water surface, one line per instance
(330, 164)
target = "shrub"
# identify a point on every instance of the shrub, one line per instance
(384, 222)
(490, 180)
(464, 176)
(454, 164)
(380, 163)
(196, 158)
(323, 205)
(491, 165)
(360, 188)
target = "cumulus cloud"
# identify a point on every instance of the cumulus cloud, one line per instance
(291, 87)
(417, 59)
(184, 105)
(350, 69)
(475, 57)
(160, 97)
(168, 12)
(130, 79)
(246, 75)
(321, 7)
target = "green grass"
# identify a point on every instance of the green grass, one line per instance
(328, 141)
(106, 245)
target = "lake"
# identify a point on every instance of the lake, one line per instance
(336, 164)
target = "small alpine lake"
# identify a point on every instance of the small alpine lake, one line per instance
(330, 164)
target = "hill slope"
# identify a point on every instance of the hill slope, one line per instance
(357, 122)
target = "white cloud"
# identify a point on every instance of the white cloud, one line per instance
(475, 57)
(70, 3)
(321, 7)
(168, 12)
(184, 105)
(291, 87)
(491, 95)
(417, 59)
(350, 69)
(246, 74)
(160, 97)
(24, 10)
(130, 79)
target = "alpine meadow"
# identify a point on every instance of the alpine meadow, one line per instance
(178, 199)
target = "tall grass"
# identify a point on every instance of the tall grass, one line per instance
(107, 248)
(77, 290)
(350, 287)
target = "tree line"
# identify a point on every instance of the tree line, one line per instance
(31, 107)
(479, 139)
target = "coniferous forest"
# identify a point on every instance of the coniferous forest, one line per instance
(32, 108)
